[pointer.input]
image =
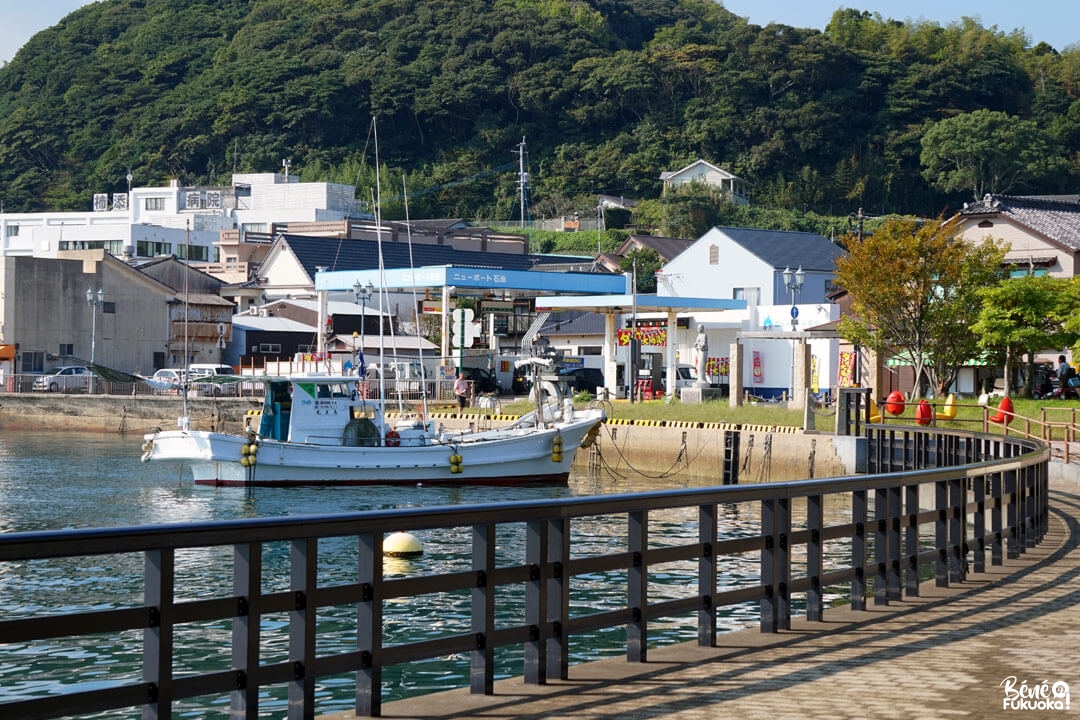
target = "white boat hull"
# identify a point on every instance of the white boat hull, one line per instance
(510, 456)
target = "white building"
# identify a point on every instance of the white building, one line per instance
(749, 264)
(705, 173)
(180, 220)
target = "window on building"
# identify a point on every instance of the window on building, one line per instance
(270, 348)
(12, 230)
(714, 254)
(113, 247)
(154, 203)
(199, 253)
(739, 293)
(33, 362)
(590, 350)
(67, 348)
(108, 308)
(147, 248)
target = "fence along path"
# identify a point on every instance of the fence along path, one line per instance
(943, 653)
(989, 505)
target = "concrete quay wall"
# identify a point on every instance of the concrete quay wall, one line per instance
(691, 449)
(119, 414)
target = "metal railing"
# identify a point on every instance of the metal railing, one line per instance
(989, 500)
(405, 390)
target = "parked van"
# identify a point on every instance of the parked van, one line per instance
(206, 370)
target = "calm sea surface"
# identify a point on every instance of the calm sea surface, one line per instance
(70, 480)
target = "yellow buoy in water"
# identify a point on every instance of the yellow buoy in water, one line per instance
(402, 544)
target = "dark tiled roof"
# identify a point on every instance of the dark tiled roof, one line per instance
(787, 248)
(666, 247)
(335, 254)
(1056, 219)
(573, 322)
(589, 266)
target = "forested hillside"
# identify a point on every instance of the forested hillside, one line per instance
(606, 93)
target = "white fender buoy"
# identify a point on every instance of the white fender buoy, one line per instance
(403, 545)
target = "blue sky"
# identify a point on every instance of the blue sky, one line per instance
(1052, 21)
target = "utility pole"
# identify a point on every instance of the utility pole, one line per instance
(523, 178)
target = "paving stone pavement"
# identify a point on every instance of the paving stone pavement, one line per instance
(944, 654)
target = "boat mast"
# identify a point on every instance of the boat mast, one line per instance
(184, 420)
(382, 269)
(415, 302)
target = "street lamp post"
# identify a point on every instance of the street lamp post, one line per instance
(793, 281)
(94, 300)
(361, 293)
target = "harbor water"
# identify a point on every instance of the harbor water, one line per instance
(74, 480)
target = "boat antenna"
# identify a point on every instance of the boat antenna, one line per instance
(187, 310)
(377, 201)
(415, 302)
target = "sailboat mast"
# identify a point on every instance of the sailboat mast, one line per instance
(187, 311)
(382, 268)
(415, 303)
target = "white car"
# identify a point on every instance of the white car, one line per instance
(68, 379)
(199, 371)
(171, 380)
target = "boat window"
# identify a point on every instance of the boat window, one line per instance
(333, 390)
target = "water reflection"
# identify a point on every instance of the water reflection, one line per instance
(64, 480)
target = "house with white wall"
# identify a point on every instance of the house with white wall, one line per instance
(1043, 233)
(749, 264)
(705, 173)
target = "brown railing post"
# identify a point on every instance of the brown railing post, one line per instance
(304, 564)
(482, 658)
(247, 578)
(707, 528)
(369, 622)
(637, 586)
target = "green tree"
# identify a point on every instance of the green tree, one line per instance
(986, 152)
(915, 292)
(1020, 316)
(644, 262)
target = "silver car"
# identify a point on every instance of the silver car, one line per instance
(68, 379)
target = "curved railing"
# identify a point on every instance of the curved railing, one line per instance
(935, 505)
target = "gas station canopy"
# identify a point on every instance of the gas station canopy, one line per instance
(592, 292)
(445, 276)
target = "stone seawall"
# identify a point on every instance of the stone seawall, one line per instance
(116, 414)
(688, 450)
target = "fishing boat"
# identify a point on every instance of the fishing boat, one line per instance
(322, 430)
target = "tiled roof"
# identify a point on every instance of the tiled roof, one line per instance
(336, 254)
(1056, 219)
(666, 247)
(786, 248)
(573, 322)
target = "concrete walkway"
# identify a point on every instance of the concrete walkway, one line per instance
(942, 655)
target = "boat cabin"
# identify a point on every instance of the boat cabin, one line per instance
(330, 410)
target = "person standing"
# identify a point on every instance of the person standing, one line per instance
(461, 389)
(1062, 370)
